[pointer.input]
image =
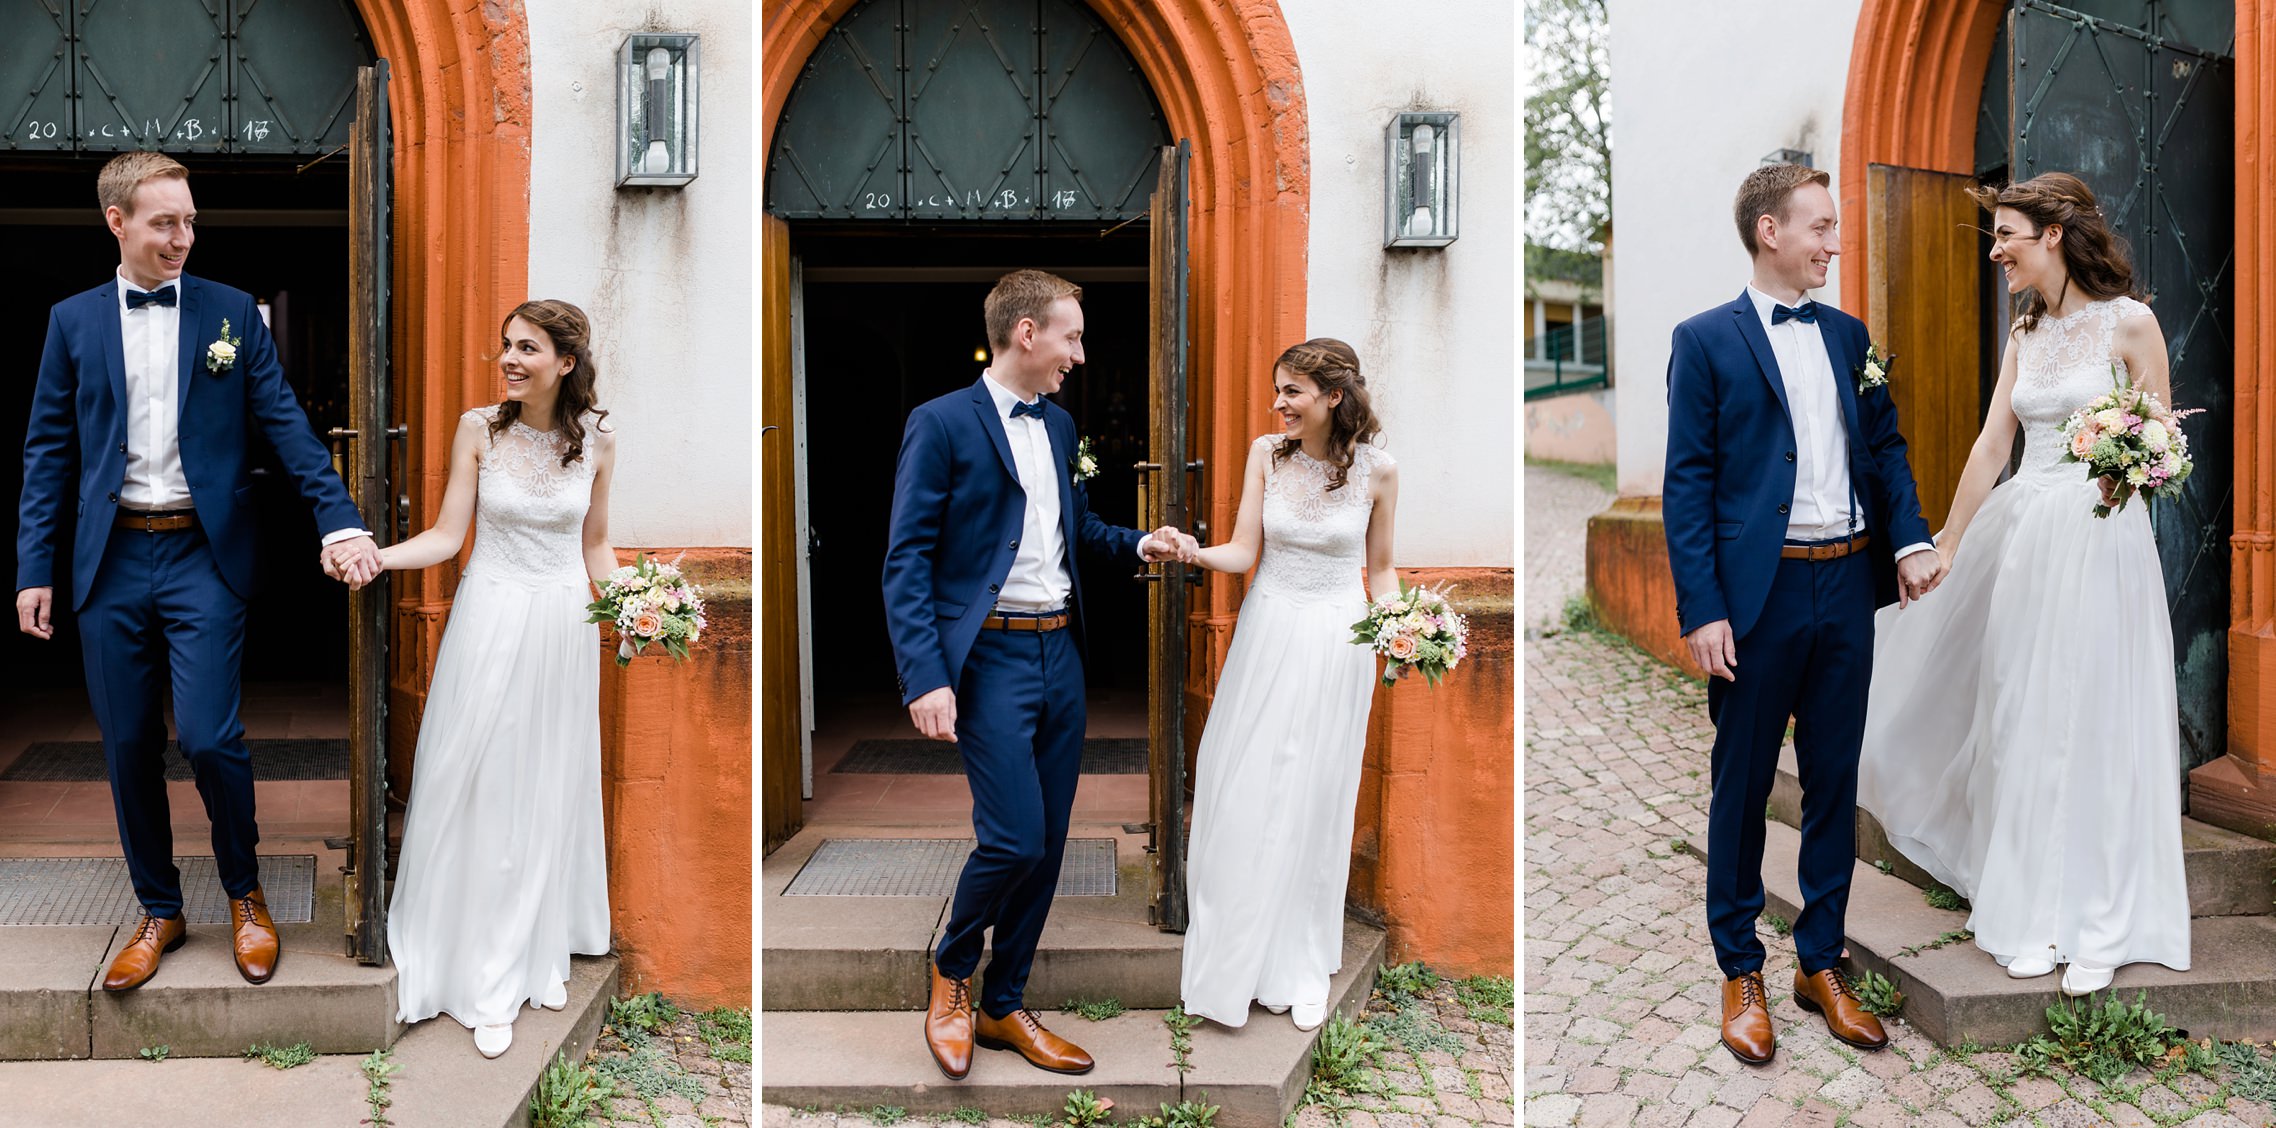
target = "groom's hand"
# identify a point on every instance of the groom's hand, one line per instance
(354, 561)
(935, 714)
(1917, 575)
(1162, 544)
(32, 607)
(1715, 650)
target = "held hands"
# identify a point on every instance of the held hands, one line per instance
(935, 714)
(1919, 573)
(1169, 543)
(354, 561)
(1715, 649)
(32, 607)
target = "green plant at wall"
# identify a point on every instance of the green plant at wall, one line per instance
(378, 1073)
(1878, 994)
(154, 1054)
(1488, 998)
(1084, 1109)
(567, 1095)
(281, 1057)
(2101, 1040)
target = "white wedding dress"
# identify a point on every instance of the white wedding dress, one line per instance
(2021, 744)
(1277, 775)
(502, 874)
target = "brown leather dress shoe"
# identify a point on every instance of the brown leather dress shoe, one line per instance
(138, 961)
(948, 1025)
(1021, 1033)
(1828, 993)
(256, 939)
(1746, 1019)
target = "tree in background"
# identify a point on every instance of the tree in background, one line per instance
(1568, 135)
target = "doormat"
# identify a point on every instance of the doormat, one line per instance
(928, 867)
(918, 756)
(63, 891)
(81, 761)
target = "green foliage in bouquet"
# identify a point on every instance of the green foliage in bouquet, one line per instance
(650, 603)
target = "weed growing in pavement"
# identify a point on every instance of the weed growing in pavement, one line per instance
(2251, 1074)
(1340, 1058)
(1778, 924)
(1084, 1109)
(1181, 1027)
(281, 1057)
(2100, 1041)
(640, 1016)
(887, 1115)
(1412, 1029)
(1184, 1114)
(154, 1053)
(727, 1031)
(969, 1114)
(1400, 983)
(1099, 1011)
(1883, 865)
(1488, 998)
(1949, 938)
(1878, 995)
(647, 1073)
(567, 1095)
(378, 1074)
(1938, 897)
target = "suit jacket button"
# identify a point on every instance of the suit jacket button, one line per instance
(1782, 509)
(1015, 546)
(1789, 456)
(122, 448)
(991, 589)
(114, 498)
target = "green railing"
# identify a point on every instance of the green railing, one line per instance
(1567, 359)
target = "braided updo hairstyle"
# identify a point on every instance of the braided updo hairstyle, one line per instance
(2098, 259)
(1332, 366)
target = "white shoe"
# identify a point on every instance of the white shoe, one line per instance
(1280, 1008)
(2078, 981)
(556, 997)
(2029, 967)
(492, 1040)
(1308, 1016)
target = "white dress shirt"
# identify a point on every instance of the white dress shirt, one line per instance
(1039, 580)
(151, 337)
(1824, 506)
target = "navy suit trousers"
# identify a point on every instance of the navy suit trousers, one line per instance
(1809, 658)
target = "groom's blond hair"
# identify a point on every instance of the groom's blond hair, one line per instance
(115, 185)
(1769, 190)
(1023, 293)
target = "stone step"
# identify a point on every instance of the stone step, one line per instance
(1956, 994)
(872, 953)
(862, 1058)
(52, 1004)
(2229, 874)
(442, 1082)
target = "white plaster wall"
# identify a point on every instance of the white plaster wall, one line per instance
(1700, 94)
(1433, 328)
(665, 273)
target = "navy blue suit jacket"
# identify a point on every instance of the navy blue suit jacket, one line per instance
(957, 513)
(75, 445)
(1730, 463)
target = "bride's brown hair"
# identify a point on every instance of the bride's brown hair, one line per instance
(2097, 258)
(1333, 366)
(572, 336)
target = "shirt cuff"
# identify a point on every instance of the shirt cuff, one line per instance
(338, 535)
(1909, 549)
(1142, 541)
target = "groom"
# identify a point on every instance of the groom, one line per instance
(1786, 488)
(984, 605)
(138, 451)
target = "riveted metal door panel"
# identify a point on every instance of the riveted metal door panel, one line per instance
(152, 74)
(294, 74)
(837, 149)
(1103, 133)
(2147, 118)
(971, 108)
(35, 75)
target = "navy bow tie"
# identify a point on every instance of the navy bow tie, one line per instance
(1806, 313)
(136, 299)
(1034, 409)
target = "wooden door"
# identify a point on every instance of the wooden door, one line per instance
(1164, 499)
(1922, 264)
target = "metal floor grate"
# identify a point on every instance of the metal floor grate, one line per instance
(81, 761)
(67, 891)
(914, 756)
(928, 867)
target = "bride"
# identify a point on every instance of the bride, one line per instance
(1277, 773)
(2021, 744)
(501, 876)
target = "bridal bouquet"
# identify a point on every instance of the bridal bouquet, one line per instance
(2130, 441)
(650, 603)
(1417, 628)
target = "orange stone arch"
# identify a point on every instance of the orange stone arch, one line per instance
(1226, 77)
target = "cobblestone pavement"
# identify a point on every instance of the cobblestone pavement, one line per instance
(681, 1076)
(1622, 999)
(1440, 1063)
(1556, 505)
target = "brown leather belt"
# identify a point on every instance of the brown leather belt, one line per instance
(173, 522)
(1833, 551)
(1024, 622)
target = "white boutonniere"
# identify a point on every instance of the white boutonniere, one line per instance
(222, 354)
(1084, 466)
(1874, 373)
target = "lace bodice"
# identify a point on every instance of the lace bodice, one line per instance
(529, 510)
(2060, 365)
(1315, 539)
